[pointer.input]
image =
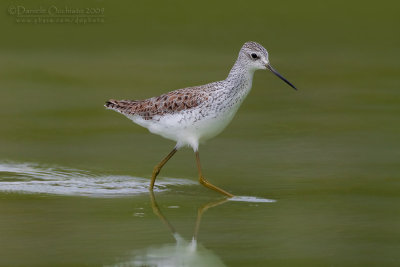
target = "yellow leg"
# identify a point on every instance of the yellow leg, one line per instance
(206, 183)
(158, 167)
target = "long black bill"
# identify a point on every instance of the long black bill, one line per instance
(280, 76)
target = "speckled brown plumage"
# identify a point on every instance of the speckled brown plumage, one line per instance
(175, 101)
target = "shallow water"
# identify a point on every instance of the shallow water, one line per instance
(33, 178)
(316, 172)
(23, 184)
(53, 214)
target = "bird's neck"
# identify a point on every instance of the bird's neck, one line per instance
(240, 79)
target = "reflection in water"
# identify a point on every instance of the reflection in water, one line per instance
(35, 178)
(182, 252)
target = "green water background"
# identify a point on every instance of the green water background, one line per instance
(328, 153)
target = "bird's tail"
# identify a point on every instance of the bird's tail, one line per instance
(127, 107)
(112, 104)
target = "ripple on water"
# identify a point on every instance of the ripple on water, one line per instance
(35, 178)
(251, 199)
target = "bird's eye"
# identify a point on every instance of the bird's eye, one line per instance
(254, 55)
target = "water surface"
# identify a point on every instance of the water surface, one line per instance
(316, 171)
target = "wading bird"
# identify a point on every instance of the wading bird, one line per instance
(192, 115)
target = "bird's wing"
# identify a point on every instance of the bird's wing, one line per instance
(169, 103)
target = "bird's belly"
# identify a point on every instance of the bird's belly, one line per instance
(206, 126)
(188, 127)
(211, 126)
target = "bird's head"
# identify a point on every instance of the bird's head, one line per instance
(254, 56)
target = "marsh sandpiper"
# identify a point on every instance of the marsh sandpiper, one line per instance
(192, 115)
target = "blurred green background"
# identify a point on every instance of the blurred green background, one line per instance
(328, 153)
